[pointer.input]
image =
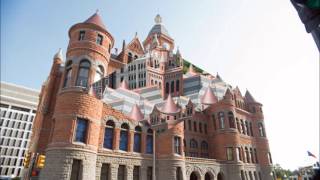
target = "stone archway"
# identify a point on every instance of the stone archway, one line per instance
(208, 176)
(220, 176)
(194, 176)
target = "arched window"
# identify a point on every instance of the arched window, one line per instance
(200, 127)
(172, 86)
(247, 155)
(250, 127)
(242, 127)
(231, 120)
(177, 85)
(221, 120)
(238, 125)
(124, 137)
(129, 57)
(167, 88)
(68, 74)
(149, 148)
(99, 73)
(204, 145)
(193, 144)
(261, 130)
(83, 73)
(137, 139)
(108, 135)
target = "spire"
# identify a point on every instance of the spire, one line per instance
(208, 97)
(178, 52)
(169, 107)
(59, 55)
(96, 19)
(158, 19)
(218, 76)
(123, 45)
(124, 85)
(136, 113)
(228, 94)
(249, 98)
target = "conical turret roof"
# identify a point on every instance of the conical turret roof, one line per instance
(208, 97)
(249, 98)
(136, 113)
(169, 106)
(96, 19)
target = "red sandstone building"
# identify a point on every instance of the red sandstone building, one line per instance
(157, 123)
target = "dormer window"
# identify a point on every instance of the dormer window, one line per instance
(99, 39)
(81, 35)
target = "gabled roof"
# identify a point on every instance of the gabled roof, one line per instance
(208, 97)
(249, 98)
(237, 92)
(169, 106)
(136, 113)
(135, 44)
(96, 19)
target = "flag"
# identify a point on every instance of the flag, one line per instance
(312, 155)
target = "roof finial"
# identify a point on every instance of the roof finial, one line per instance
(97, 11)
(136, 34)
(158, 19)
(59, 54)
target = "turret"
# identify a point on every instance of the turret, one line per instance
(253, 106)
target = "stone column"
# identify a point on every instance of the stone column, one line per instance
(114, 171)
(129, 169)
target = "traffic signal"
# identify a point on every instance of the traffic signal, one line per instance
(40, 161)
(27, 159)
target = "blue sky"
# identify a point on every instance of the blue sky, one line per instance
(258, 45)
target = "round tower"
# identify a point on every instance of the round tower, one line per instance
(76, 120)
(170, 152)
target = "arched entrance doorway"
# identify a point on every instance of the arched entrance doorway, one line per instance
(208, 176)
(194, 176)
(220, 176)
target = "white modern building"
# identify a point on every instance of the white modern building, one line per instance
(18, 106)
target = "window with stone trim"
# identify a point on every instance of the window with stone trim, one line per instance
(261, 130)
(76, 170)
(81, 35)
(121, 172)
(172, 87)
(81, 130)
(149, 173)
(231, 119)
(229, 153)
(124, 137)
(193, 144)
(177, 145)
(105, 172)
(221, 120)
(204, 146)
(68, 74)
(149, 145)
(108, 135)
(136, 173)
(99, 39)
(137, 139)
(83, 73)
